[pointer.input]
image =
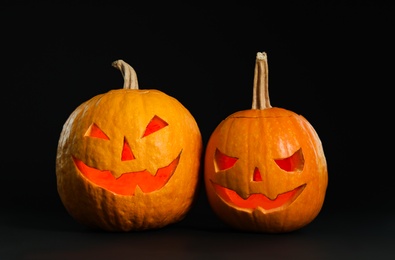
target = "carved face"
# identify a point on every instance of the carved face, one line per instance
(124, 180)
(256, 199)
(265, 171)
(131, 153)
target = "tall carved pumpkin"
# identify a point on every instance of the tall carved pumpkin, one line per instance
(265, 168)
(129, 159)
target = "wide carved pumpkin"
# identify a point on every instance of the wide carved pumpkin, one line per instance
(265, 168)
(129, 159)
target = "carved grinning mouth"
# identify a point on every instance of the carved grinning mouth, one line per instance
(127, 182)
(258, 200)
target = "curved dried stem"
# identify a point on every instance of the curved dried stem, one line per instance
(128, 73)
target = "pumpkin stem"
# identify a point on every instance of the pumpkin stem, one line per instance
(260, 98)
(128, 73)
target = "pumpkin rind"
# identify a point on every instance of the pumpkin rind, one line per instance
(124, 114)
(256, 138)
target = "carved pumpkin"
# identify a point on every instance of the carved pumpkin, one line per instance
(129, 159)
(265, 168)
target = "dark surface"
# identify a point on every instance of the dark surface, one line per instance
(40, 234)
(45, 231)
(331, 62)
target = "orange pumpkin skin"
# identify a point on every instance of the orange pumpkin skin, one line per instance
(265, 171)
(129, 160)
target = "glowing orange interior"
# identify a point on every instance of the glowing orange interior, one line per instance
(223, 162)
(95, 131)
(127, 182)
(154, 125)
(293, 163)
(257, 175)
(257, 200)
(127, 153)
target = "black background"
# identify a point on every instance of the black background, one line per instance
(330, 61)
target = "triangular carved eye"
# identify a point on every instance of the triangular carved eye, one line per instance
(154, 125)
(96, 132)
(293, 163)
(223, 161)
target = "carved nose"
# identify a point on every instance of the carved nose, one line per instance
(127, 153)
(257, 175)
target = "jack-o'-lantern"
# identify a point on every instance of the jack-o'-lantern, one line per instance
(129, 159)
(265, 168)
